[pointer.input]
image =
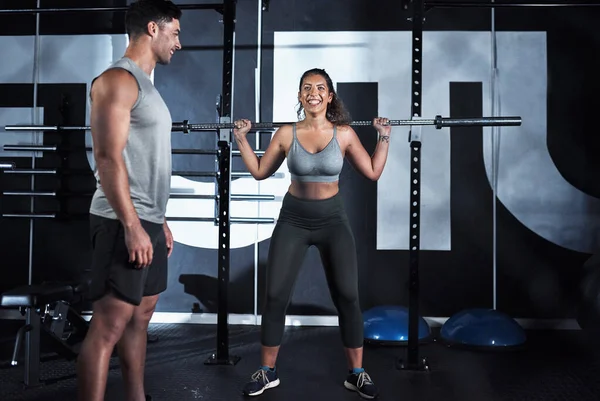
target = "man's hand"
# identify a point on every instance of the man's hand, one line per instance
(169, 237)
(139, 246)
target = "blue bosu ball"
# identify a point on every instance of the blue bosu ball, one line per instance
(483, 328)
(389, 324)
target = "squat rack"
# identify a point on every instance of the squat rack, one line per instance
(418, 8)
(224, 153)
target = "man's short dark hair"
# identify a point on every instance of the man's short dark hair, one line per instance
(141, 12)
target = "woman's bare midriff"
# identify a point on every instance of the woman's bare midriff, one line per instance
(314, 190)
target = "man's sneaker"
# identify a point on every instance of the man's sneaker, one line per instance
(362, 384)
(261, 380)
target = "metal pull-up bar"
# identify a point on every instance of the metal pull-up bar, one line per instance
(473, 4)
(215, 6)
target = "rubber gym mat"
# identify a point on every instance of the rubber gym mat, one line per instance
(554, 365)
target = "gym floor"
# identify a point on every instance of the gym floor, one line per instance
(554, 365)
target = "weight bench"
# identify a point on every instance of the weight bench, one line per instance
(47, 308)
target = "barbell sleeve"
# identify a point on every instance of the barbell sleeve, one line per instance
(194, 173)
(36, 128)
(191, 196)
(51, 194)
(33, 171)
(256, 152)
(7, 166)
(29, 193)
(441, 122)
(28, 148)
(194, 152)
(240, 174)
(56, 172)
(30, 216)
(252, 220)
(233, 197)
(192, 219)
(249, 197)
(236, 220)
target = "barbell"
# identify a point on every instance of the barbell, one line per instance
(185, 126)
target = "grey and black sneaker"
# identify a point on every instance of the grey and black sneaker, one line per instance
(263, 379)
(362, 384)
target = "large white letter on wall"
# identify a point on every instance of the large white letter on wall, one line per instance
(524, 162)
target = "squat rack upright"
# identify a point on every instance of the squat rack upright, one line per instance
(417, 9)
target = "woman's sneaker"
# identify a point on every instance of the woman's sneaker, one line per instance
(362, 384)
(262, 380)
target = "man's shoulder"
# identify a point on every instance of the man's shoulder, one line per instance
(115, 82)
(115, 75)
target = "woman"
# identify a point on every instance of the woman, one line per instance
(312, 213)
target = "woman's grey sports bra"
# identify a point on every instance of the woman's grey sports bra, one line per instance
(323, 166)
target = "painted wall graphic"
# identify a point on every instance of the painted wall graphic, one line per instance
(529, 182)
(524, 161)
(547, 213)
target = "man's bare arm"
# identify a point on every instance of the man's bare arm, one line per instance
(113, 95)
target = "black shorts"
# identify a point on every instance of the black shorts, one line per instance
(111, 270)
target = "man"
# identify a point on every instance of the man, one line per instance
(131, 133)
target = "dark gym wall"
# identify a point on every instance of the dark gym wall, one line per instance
(536, 278)
(60, 247)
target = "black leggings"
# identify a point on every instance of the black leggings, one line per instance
(303, 223)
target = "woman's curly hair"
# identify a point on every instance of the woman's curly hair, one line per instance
(336, 111)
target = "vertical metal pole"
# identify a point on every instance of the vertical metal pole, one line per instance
(1, 189)
(413, 362)
(257, 111)
(33, 319)
(66, 141)
(35, 134)
(495, 155)
(32, 316)
(222, 356)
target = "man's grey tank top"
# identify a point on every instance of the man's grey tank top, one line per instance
(323, 166)
(147, 154)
